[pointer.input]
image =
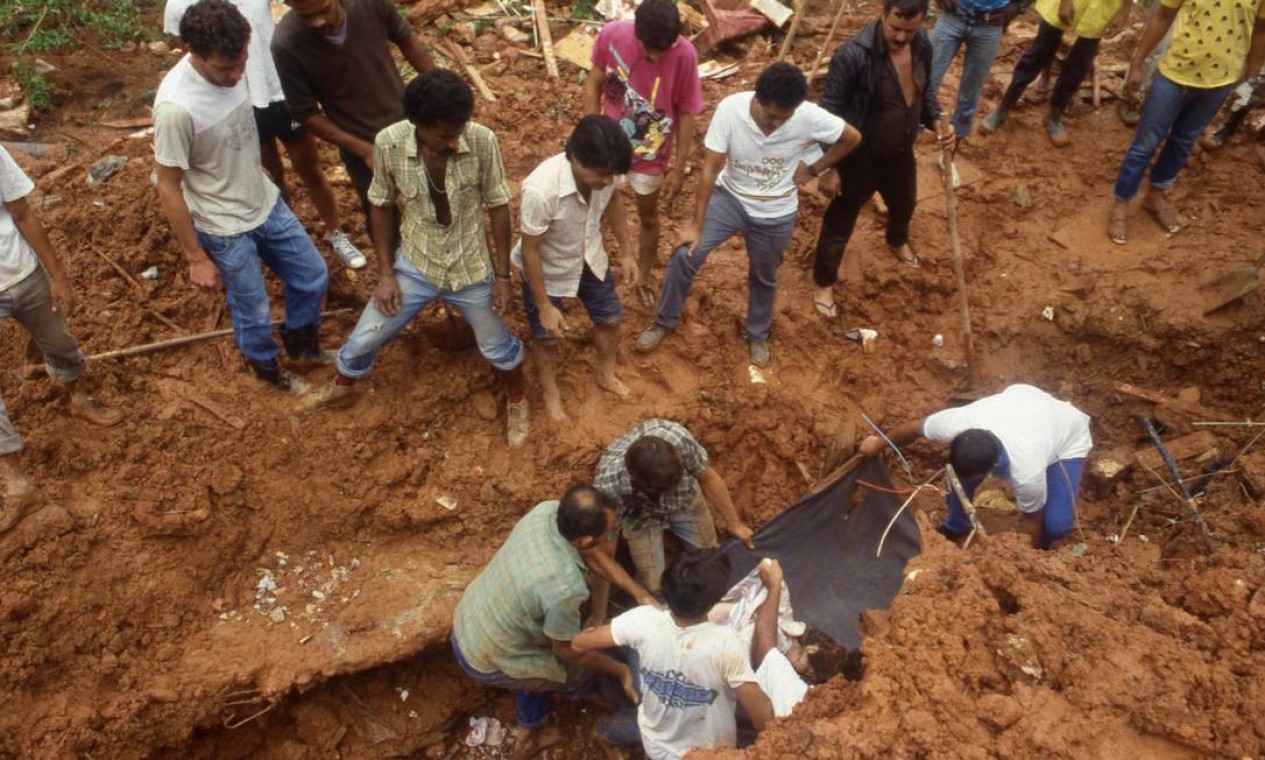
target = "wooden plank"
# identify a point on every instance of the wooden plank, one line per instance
(1186, 447)
(1155, 397)
(546, 38)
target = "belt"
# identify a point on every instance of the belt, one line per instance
(990, 18)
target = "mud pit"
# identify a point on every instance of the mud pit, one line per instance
(127, 603)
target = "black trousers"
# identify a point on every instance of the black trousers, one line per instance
(361, 177)
(895, 178)
(1040, 54)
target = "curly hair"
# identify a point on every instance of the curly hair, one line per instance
(438, 95)
(597, 142)
(781, 84)
(657, 24)
(212, 27)
(827, 658)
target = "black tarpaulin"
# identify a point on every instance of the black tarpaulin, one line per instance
(826, 546)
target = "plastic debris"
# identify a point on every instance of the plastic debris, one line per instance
(864, 336)
(485, 732)
(105, 168)
(937, 340)
(1048, 313)
(150, 274)
(757, 376)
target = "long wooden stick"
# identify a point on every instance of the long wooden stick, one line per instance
(967, 506)
(800, 8)
(830, 37)
(455, 52)
(135, 284)
(546, 38)
(964, 310)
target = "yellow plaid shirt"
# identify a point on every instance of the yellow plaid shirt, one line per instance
(453, 257)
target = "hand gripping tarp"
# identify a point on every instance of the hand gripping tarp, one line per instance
(826, 543)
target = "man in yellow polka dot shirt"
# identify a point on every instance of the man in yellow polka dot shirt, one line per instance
(1214, 43)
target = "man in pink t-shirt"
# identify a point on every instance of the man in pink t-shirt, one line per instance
(645, 76)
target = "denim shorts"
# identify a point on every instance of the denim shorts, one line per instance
(598, 296)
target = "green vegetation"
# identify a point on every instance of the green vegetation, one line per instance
(38, 26)
(585, 10)
(38, 94)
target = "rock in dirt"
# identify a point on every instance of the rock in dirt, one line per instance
(999, 711)
(104, 168)
(1253, 466)
(1023, 197)
(1106, 469)
(484, 404)
(995, 500)
(514, 35)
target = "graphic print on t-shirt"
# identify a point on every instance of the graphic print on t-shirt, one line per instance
(674, 689)
(646, 126)
(767, 174)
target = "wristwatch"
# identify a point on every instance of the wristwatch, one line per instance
(813, 171)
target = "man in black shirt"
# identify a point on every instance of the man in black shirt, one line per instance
(878, 81)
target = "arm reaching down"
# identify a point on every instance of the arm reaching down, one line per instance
(765, 637)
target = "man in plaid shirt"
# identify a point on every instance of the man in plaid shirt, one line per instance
(660, 477)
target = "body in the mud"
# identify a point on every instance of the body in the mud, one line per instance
(340, 81)
(446, 169)
(561, 254)
(1023, 435)
(661, 480)
(515, 624)
(1215, 44)
(35, 290)
(225, 212)
(645, 77)
(692, 672)
(878, 80)
(759, 145)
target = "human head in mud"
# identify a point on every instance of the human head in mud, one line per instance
(585, 514)
(325, 17)
(974, 453)
(598, 150)
(779, 90)
(438, 103)
(694, 581)
(216, 34)
(654, 465)
(657, 24)
(817, 658)
(901, 21)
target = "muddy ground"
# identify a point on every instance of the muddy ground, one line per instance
(133, 622)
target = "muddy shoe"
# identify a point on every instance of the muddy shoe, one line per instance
(330, 396)
(1129, 112)
(651, 337)
(760, 355)
(1058, 135)
(304, 349)
(94, 410)
(517, 425)
(348, 253)
(993, 121)
(278, 378)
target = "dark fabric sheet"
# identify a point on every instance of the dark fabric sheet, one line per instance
(827, 552)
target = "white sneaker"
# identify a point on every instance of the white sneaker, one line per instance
(346, 251)
(953, 170)
(516, 425)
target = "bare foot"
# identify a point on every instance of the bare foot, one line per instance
(553, 406)
(612, 384)
(532, 742)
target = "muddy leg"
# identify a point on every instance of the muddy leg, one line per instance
(606, 337)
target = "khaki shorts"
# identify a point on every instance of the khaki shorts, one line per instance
(644, 184)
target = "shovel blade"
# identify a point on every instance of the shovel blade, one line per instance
(1230, 287)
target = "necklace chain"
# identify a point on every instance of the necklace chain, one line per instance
(442, 190)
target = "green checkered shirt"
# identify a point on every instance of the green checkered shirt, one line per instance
(453, 257)
(529, 593)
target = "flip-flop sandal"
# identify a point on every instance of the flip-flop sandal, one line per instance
(1166, 222)
(911, 260)
(827, 310)
(646, 295)
(1118, 228)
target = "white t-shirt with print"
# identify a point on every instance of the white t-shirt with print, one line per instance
(209, 132)
(688, 677)
(760, 170)
(784, 686)
(1035, 428)
(261, 73)
(17, 259)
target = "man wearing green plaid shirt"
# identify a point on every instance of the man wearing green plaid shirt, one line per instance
(445, 170)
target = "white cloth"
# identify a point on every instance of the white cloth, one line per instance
(261, 74)
(209, 132)
(760, 170)
(1035, 428)
(571, 229)
(17, 258)
(688, 678)
(781, 682)
(737, 611)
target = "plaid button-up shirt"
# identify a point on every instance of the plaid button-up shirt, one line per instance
(456, 256)
(637, 511)
(529, 593)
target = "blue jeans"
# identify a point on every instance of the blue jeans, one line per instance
(1062, 483)
(533, 697)
(375, 329)
(282, 244)
(1173, 111)
(982, 42)
(598, 296)
(767, 241)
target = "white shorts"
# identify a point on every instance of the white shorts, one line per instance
(644, 184)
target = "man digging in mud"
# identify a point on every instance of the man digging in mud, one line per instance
(645, 76)
(224, 210)
(1034, 441)
(756, 146)
(446, 169)
(660, 479)
(514, 626)
(35, 290)
(878, 80)
(561, 255)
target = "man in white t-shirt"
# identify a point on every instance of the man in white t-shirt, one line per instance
(757, 147)
(561, 255)
(35, 290)
(692, 672)
(224, 211)
(1024, 435)
(275, 124)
